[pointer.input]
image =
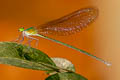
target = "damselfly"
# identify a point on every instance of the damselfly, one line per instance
(66, 25)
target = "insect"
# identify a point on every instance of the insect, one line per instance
(67, 25)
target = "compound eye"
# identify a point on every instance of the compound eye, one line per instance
(21, 29)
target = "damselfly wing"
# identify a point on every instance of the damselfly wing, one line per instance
(70, 23)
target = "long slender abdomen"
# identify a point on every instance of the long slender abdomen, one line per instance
(69, 24)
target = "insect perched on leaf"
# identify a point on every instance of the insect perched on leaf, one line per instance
(66, 25)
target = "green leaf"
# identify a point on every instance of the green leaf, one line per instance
(26, 57)
(64, 64)
(66, 76)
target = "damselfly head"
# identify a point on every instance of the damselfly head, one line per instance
(21, 29)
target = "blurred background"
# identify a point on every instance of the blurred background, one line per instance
(101, 38)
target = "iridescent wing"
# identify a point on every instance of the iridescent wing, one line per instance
(69, 24)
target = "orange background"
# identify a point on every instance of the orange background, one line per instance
(101, 38)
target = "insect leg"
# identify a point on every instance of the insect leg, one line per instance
(22, 39)
(18, 38)
(31, 38)
(29, 41)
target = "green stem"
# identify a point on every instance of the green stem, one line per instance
(80, 50)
